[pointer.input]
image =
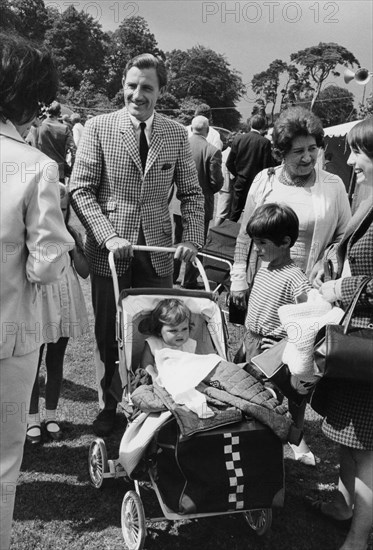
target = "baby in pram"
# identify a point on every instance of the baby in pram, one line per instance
(169, 326)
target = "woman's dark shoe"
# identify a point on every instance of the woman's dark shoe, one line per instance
(55, 435)
(35, 437)
(318, 506)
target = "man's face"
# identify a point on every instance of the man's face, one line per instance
(141, 91)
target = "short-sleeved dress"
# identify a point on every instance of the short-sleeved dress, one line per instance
(64, 311)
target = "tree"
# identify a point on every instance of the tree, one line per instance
(335, 105)
(266, 83)
(204, 75)
(319, 62)
(366, 108)
(9, 20)
(33, 19)
(132, 38)
(77, 44)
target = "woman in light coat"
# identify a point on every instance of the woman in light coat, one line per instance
(34, 246)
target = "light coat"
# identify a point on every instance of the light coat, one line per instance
(34, 240)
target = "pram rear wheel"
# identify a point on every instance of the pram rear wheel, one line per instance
(260, 521)
(133, 521)
(97, 462)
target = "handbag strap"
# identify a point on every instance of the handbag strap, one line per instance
(346, 319)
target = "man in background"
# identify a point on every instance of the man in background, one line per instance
(213, 135)
(208, 161)
(78, 128)
(250, 154)
(56, 141)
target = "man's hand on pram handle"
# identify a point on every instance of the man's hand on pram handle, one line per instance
(121, 248)
(186, 251)
(239, 298)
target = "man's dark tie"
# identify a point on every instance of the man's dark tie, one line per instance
(143, 145)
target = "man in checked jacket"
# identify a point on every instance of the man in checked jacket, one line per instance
(119, 193)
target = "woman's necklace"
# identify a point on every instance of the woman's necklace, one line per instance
(296, 181)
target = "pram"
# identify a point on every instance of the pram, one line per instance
(234, 468)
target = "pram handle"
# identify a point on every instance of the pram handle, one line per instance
(144, 248)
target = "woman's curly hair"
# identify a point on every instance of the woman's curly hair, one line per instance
(293, 123)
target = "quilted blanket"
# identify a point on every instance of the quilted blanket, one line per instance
(230, 393)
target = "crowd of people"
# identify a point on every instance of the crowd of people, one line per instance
(136, 177)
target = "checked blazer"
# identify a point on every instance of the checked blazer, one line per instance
(360, 258)
(111, 194)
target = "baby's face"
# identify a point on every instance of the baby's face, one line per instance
(175, 335)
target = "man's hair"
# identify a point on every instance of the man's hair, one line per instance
(258, 122)
(28, 78)
(274, 222)
(361, 137)
(148, 61)
(200, 124)
(293, 123)
(54, 109)
(75, 117)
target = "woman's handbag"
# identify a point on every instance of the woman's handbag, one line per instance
(344, 352)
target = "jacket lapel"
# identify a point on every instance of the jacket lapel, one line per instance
(131, 145)
(129, 139)
(156, 142)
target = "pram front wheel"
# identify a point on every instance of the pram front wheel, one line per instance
(133, 521)
(260, 521)
(97, 462)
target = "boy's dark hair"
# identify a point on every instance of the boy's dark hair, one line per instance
(274, 222)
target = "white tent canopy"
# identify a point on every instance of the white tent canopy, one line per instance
(340, 129)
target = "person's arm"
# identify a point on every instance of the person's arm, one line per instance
(47, 238)
(343, 290)
(343, 213)
(231, 160)
(85, 187)
(192, 201)
(78, 256)
(216, 179)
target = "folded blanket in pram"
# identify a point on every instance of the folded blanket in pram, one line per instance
(230, 392)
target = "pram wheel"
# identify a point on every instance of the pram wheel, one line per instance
(133, 521)
(259, 520)
(97, 462)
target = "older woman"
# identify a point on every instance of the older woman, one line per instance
(349, 405)
(34, 244)
(318, 198)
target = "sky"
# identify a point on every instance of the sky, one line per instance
(249, 34)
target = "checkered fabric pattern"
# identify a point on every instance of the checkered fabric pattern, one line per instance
(360, 259)
(111, 194)
(235, 471)
(350, 406)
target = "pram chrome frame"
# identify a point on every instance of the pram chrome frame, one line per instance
(133, 519)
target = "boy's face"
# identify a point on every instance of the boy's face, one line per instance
(175, 335)
(268, 251)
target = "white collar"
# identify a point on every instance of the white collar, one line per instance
(136, 122)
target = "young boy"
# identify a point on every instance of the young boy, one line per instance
(274, 230)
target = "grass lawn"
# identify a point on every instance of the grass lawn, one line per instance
(57, 508)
